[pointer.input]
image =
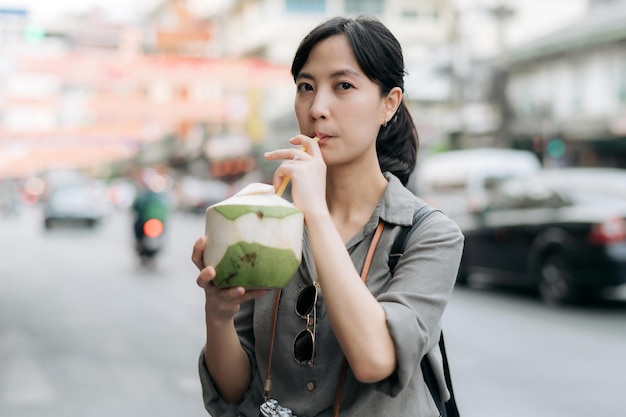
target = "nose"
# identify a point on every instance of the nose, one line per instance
(320, 105)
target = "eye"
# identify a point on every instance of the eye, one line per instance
(344, 86)
(303, 87)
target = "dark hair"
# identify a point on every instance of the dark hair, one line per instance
(379, 56)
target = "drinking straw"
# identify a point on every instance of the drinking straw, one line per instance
(286, 178)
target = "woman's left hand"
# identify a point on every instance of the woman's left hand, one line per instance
(307, 171)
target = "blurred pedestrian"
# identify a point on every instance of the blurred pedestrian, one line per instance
(349, 78)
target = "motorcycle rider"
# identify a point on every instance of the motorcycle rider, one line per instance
(151, 203)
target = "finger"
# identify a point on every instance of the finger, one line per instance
(307, 144)
(290, 153)
(285, 154)
(197, 255)
(256, 293)
(240, 295)
(233, 294)
(206, 277)
(279, 177)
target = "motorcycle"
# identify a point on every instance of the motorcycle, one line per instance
(151, 209)
(150, 240)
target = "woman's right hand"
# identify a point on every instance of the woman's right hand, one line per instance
(221, 303)
(225, 359)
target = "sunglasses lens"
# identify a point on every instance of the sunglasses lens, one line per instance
(304, 343)
(306, 301)
(303, 347)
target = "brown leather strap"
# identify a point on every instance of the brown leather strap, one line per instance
(340, 384)
(364, 271)
(344, 365)
(370, 252)
(268, 379)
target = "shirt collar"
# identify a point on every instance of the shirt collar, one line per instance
(395, 208)
(398, 203)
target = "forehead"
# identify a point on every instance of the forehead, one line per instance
(330, 55)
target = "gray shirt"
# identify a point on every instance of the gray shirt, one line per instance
(414, 299)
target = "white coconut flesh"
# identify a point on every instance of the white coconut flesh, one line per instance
(254, 239)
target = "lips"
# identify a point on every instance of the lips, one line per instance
(323, 138)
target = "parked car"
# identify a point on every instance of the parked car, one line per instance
(61, 177)
(590, 180)
(457, 181)
(543, 233)
(79, 203)
(195, 195)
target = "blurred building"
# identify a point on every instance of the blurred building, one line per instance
(272, 30)
(52, 87)
(205, 86)
(567, 90)
(454, 87)
(226, 143)
(177, 27)
(87, 92)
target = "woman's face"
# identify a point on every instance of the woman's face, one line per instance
(336, 102)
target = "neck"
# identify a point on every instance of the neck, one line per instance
(353, 196)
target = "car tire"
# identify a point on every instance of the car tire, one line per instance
(554, 280)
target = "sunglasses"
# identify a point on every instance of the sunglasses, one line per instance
(304, 342)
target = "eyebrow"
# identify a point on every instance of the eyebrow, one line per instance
(335, 74)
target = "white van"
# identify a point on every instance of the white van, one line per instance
(457, 181)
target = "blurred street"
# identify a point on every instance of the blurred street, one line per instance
(85, 331)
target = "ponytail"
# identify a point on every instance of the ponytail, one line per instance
(397, 145)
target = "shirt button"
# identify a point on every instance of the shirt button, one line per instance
(310, 386)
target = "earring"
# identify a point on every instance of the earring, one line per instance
(385, 124)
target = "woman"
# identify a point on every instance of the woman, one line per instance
(349, 78)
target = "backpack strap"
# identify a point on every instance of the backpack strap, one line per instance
(403, 237)
(449, 408)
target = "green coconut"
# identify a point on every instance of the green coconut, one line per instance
(254, 239)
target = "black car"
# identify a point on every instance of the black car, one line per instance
(546, 233)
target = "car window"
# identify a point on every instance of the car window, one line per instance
(450, 186)
(585, 197)
(512, 195)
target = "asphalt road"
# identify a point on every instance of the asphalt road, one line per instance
(86, 331)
